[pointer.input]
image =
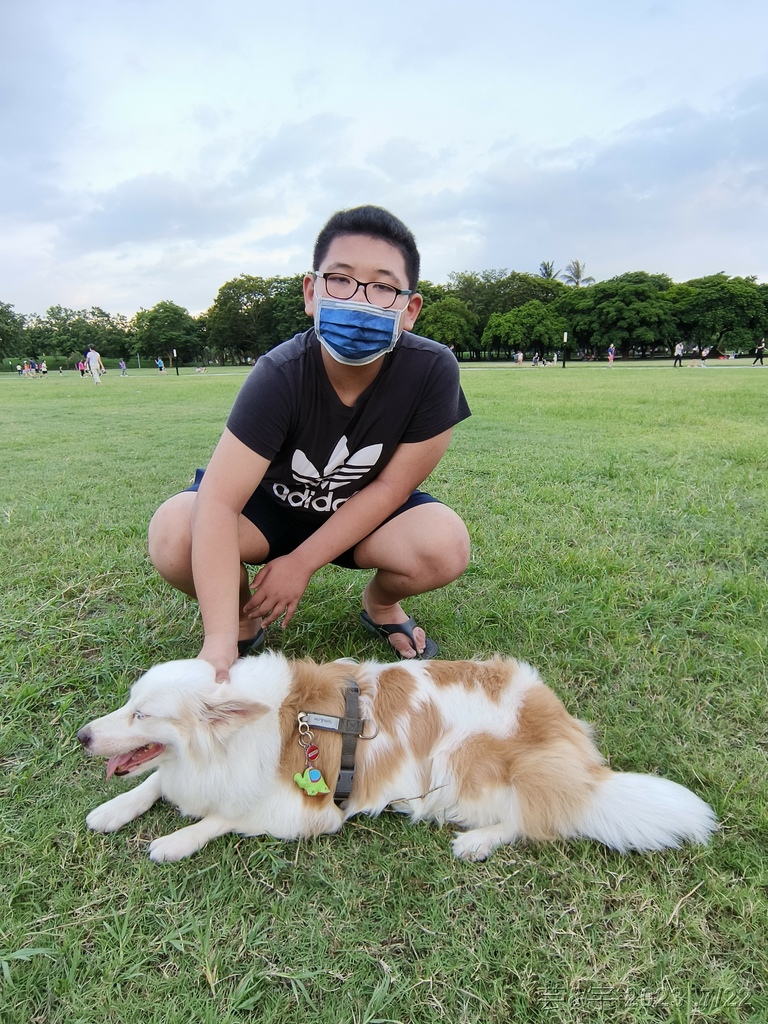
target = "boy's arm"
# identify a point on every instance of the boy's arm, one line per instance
(231, 476)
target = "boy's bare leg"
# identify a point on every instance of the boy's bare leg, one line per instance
(420, 550)
(170, 550)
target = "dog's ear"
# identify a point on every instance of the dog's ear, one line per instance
(233, 713)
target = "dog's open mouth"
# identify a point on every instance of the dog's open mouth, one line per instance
(124, 764)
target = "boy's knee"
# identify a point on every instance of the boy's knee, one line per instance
(449, 545)
(458, 550)
(169, 535)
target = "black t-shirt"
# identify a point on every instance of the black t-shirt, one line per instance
(321, 452)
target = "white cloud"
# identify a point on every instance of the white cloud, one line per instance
(159, 148)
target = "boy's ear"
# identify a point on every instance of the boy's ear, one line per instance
(309, 294)
(412, 311)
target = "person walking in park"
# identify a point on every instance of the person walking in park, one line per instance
(759, 352)
(94, 364)
(678, 355)
(322, 458)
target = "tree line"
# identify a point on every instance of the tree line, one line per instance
(482, 315)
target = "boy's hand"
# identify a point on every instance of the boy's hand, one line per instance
(222, 654)
(277, 589)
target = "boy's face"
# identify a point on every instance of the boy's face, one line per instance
(366, 259)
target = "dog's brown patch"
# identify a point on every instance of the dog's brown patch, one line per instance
(395, 689)
(491, 677)
(317, 689)
(407, 728)
(550, 761)
(425, 729)
(555, 766)
(483, 762)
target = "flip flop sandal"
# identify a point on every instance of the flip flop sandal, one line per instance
(245, 647)
(386, 630)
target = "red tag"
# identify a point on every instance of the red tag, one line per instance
(311, 752)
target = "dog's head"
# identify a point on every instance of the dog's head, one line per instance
(174, 707)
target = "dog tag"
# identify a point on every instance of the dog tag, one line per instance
(312, 782)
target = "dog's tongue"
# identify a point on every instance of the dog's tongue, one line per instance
(121, 764)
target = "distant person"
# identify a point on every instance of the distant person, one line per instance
(704, 354)
(519, 358)
(678, 355)
(123, 368)
(160, 364)
(94, 364)
(19, 369)
(43, 367)
(759, 353)
(81, 368)
(611, 353)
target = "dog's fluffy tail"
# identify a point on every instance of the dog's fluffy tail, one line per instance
(645, 812)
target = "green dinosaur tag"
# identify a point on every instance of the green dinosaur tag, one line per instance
(312, 782)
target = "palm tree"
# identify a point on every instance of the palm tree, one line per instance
(574, 274)
(547, 270)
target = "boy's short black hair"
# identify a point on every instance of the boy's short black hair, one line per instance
(375, 222)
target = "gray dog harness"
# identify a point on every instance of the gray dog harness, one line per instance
(351, 727)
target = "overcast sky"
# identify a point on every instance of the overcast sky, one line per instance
(154, 149)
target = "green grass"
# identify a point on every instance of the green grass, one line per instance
(619, 543)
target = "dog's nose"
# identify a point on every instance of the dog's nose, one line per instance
(84, 735)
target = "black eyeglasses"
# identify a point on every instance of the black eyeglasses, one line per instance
(340, 286)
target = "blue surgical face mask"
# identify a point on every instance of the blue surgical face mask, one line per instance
(355, 333)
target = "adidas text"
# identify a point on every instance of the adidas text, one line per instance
(307, 499)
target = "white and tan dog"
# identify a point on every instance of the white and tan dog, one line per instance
(484, 745)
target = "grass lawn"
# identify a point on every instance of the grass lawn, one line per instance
(618, 519)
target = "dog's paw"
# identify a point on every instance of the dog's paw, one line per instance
(475, 845)
(469, 850)
(175, 846)
(108, 817)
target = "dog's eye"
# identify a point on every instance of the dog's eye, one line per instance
(138, 715)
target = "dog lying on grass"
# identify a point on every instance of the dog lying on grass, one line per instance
(484, 745)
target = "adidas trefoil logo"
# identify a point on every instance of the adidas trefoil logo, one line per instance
(342, 469)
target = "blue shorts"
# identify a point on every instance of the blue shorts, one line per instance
(285, 532)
